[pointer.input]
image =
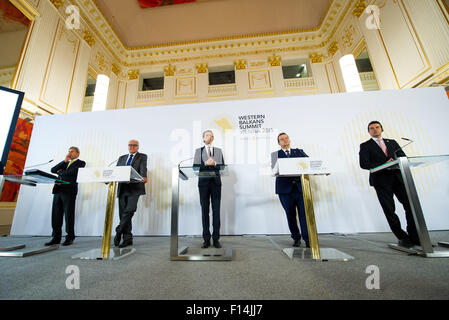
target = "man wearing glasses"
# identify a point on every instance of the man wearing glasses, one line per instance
(290, 194)
(128, 193)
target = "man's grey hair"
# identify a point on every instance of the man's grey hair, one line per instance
(75, 148)
(208, 131)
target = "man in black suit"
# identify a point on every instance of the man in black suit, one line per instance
(65, 196)
(128, 193)
(290, 194)
(373, 153)
(208, 158)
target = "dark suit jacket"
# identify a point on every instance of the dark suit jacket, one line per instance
(68, 175)
(139, 163)
(285, 184)
(371, 156)
(198, 163)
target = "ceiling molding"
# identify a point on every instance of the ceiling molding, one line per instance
(317, 39)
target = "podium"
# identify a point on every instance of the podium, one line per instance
(29, 178)
(176, 254)
(111, 176)
(404, 164)
(306, 167)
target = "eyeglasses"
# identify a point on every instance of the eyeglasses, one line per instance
(133, 145)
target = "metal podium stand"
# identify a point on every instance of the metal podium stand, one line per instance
(111, 176)
(184, 173)
(404, 164)
(30, 178)
(305, 167)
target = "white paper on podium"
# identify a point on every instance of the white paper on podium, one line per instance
(298, 166)
(101, 174)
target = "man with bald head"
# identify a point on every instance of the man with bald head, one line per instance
(128, 193)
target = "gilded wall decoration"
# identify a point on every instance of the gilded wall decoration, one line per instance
(115, 69)
(201, 67)
(240, 64)
(169, 70)
(275, 61)
(133, 74)
(316, 57)
(359, 7)
(101, 62)
(348, 37)
(88, 37)
(333, 48)
(57, 3)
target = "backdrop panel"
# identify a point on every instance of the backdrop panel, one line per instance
(325, 126)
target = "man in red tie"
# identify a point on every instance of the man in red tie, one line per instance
(387, 183)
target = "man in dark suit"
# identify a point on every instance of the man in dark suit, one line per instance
(208, 158)
(64, 197)
(128, 193)
(373, 153)
(289, 190)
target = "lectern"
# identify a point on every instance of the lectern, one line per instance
(184, 173)
(305, 167)
(30, 178)
(404, 164)
(111, 176)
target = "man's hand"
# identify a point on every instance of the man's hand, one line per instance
(389, 160)
(67, 158)
(210, 162)
(144, 180)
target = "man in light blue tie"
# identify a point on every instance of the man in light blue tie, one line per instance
(128, 193)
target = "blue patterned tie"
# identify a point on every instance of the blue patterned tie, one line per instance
(288, 153)
(130, 160)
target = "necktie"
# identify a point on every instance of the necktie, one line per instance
(208, 151)
(383, 146)
(288, 153)
(71, 161)
(130, 159)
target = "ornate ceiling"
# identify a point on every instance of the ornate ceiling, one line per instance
(209, 19)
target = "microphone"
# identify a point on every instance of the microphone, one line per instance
(113, 161)
(38, 165)
(406, 139)
(179, 164)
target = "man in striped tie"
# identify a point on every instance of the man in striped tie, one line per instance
(387, 183)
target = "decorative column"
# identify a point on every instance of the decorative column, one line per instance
(203, 81)
(241, 78)
(169, 84)
(132, 88)
(276, 75)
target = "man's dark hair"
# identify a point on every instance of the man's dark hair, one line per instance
(280, 134)
(373, 122)
(75, 148)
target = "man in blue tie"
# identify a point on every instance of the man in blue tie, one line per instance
(289, 190)
(128, 193)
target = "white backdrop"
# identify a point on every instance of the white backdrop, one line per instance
(325, 126)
